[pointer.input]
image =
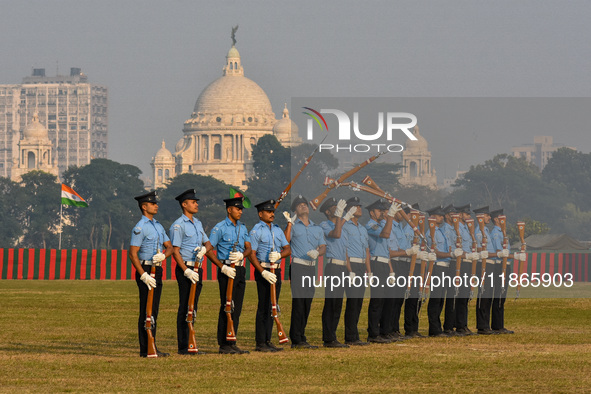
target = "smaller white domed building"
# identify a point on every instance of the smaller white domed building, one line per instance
(163, 166)
(416, 163)
(34, 151)
(286, 130)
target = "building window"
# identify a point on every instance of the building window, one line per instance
(160, 175)
(166, 174)
(217, 152)
(31, 160)
(413, 169)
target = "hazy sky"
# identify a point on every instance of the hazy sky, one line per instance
(156, 57)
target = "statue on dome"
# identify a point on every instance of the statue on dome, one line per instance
(234, 35)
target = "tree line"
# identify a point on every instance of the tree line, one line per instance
(555, 199)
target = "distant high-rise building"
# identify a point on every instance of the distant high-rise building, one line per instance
(539, 152)
(73, 111)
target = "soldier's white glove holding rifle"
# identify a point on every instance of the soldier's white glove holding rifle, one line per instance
(423, 255)
(148, 280)
(229, 271)
(457, 252)
(341, 205)
(394, 209)
(236, 257)
(432, 256)
(313, 254)
(158, 257)
(201, 252)
(414, 250)
(274, 256)
(269, 276)
(503, 253)
(484, 254)
(193, 276)
(289, 218)
(350, 213)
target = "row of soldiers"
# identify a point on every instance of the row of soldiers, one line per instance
(382, 249)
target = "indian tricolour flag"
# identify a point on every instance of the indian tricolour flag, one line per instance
(70, 197)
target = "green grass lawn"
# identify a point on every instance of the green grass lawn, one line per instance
(81, 336)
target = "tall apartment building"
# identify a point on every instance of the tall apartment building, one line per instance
(73, 111)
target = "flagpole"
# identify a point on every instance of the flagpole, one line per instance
(60, 239)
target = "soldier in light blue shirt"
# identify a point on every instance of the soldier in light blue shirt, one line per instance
(231, 241)
(307, 243)
(379, 227)
(335, 265)
(190, 244)
(145, 252)
(358, 266)
(269, 246)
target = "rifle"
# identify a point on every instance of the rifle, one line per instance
(521, 228)
(306, 162)
(379, 192)
(470, 224)
(230, 333)
(503, 225)
(455, 217)
(423, 263)
(191, 315)
(480, 219)
(432, 227)
(274, 307)
(332, 184)
(413, 260)
(149, 319)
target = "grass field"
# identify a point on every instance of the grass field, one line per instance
(80, 336)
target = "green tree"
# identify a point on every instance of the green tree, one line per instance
(109, 188)
(41, 205)
(12, 198)
(511, 183)
(571, 172)
(532, 227)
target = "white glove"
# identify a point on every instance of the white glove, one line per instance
(414, 250)
(472, 256)
(193, 276)
(236, 256)
(202, 250)
(432, 256)
(148, 280)
(394, 209)
(350, 213)
(423, 255)
(289, 218)
(484, 254)
(522, 256)
(457, 252)
(158, 257)
(274, 256)
(351, 275)
(391, 279)
(269, 276)
(503, 253)
(369, 276)
(229, 271)
(313, 254)
(341, 205)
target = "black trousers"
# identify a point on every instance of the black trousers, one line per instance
(436, 302)
(411, 312)
(463, 296)
(376, 319)
(354, 304)
(449, 322)
(485, 297)
(182, 329)
(143, 292)
(302, 292)
(499, 297)
(264, 321)
(237, 298)
(333, 302)
(395, 300)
